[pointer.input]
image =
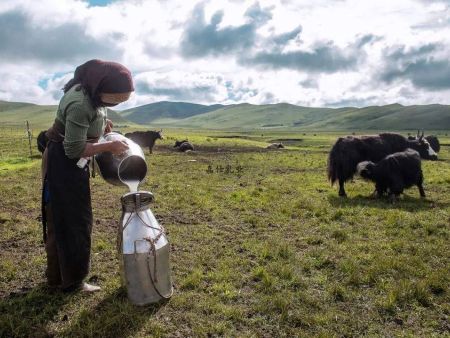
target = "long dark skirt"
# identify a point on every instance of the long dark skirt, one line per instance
(71, 217)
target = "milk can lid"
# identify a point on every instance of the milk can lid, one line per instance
(139, 200)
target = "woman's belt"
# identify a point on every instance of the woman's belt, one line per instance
(56, 133)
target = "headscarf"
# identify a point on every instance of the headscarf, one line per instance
(98, 77)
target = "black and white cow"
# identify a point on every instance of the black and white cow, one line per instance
(394, 173)
(145, 138)
(348, 151)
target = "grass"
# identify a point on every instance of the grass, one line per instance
(261, 245)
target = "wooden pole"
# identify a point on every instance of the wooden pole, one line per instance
(29, 138)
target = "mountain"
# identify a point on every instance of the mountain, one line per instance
(288, 116)
(248, 116)
(166, 112)
(39, 116)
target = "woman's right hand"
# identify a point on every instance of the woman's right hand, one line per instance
(118, 147)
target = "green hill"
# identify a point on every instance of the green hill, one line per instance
(287, 116)
(166, 112)
(38, 116)
(247, 116)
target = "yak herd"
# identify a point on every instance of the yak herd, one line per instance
(391, 161)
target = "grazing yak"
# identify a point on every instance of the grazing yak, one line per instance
(348, 151)
(394, 173)
(275, 146)
(432, 140)
(42, 140)
(145, 138)
(183, 146)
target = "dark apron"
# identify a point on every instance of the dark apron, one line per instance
(67, 217)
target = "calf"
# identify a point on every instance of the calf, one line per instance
(145, 138)
(394, 173)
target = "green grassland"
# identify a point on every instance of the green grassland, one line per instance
(261, 246)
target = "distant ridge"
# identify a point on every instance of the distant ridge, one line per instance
(39, 116)
(166, 111)
(288, 116)
(243, 116)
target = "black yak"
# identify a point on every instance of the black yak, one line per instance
(432, 140)
(275, 146)
(179, 143)
(348, 151)
(42, 140)
(394, 173)
(145, 138)
(185, 146)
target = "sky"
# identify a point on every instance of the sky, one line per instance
(322, 53)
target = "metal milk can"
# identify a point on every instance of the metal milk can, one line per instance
(144, 248)
(125, 168)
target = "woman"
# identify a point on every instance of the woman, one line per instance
(67, 213)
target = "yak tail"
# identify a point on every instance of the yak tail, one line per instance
(333, 163)
(342, 160)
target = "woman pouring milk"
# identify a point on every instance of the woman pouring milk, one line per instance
(66, 199)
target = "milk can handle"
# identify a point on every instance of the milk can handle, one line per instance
(152, 251)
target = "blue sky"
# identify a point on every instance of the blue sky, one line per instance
(311, 53)
(100, 2)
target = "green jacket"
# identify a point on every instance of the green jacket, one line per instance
(81, 121)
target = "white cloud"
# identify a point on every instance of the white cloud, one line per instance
(147, 37)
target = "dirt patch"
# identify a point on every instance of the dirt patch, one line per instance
(233, 136)
(211, 149)
(287, 140)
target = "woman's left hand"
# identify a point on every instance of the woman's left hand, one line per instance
(109, 126)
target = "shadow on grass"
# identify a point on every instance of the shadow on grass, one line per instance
(405, 202)
(114, 316)
(26, 314)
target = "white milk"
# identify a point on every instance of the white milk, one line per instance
(132, 185)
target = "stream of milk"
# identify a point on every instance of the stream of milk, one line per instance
(132, 185)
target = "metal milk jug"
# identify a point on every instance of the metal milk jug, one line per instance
(128, 168)
(144, 248)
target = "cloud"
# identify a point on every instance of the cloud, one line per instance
(240, 92)
(367, 39)
(178, 86)
(421, 65)
(21, 40)
(309, 83)
(282, 39)
(323, 58)
(353, 102)
(195, 94)
(202, 39)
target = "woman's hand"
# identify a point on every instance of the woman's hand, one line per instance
(109, 126)
(115, 147)
(118, 147)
